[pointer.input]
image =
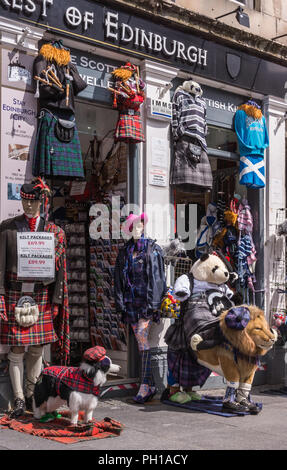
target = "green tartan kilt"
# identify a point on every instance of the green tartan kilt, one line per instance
(53, 157)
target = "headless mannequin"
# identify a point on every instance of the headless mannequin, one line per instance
(34, 353)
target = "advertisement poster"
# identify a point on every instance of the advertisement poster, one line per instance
(19, 125)
(36, 255)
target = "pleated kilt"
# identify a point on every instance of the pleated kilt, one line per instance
(187, 175)
(185, 369)
(53, 157)
(41, 332)
(129, 128)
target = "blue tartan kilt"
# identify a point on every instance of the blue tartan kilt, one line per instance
(185, 369)
(53, 157)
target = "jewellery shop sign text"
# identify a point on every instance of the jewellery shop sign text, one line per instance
(105, 27)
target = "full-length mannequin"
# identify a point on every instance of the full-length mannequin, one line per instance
(26, 340)
(139, 288)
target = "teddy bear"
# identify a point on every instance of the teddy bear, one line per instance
(204, 294)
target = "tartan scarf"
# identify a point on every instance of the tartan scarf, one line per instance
(61, 322)
(137, 246)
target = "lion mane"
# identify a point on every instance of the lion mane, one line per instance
(256, 332)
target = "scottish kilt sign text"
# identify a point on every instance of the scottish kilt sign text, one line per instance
(36, 255)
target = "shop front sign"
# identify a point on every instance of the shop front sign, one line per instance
(159, 109)
(144, 37)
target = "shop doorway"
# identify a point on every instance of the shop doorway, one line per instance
(91, 260)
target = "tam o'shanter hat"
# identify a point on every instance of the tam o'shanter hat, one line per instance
(132, 219)
(95, 354)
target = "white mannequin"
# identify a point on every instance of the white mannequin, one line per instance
(34, 353)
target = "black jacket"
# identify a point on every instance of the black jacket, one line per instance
(51, 97)
(155, 273)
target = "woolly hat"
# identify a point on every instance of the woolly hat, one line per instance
(132, 219)
(237, 318)
(95, 354)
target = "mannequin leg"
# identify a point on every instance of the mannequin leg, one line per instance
(141, 330)
(33, 370)
(16, 372)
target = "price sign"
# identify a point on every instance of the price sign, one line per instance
(36, 255)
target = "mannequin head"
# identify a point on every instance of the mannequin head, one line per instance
(31, 207)
(137, 230)
(192, 87)
(134, 225)
(32, 196)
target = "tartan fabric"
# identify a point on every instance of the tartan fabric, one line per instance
(61, 319)
(28, 196)
(42, 332)
(188, 176)
(135, 295)
(3, 313)
(53, 324)
(53, 157)
(95, 354)
(60, 430)
(73, 378)
(185, 369)
(129, 129)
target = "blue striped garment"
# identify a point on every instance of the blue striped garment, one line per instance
(189, 116)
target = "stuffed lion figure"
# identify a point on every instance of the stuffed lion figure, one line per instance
(246, 337)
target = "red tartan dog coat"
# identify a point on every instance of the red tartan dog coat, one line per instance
(73, 378)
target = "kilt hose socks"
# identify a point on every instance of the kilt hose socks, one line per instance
(33, 362)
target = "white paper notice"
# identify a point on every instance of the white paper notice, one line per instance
(36, 255)
(157, 177)
(159, 152)
(276, 192)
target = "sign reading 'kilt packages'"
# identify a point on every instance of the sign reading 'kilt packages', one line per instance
(145, 37)
(36, 255)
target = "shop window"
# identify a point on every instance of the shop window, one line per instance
(221, 139)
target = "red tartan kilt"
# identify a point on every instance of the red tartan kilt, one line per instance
(41, 332)
(129, 128)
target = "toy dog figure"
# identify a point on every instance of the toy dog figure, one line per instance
(77, 387)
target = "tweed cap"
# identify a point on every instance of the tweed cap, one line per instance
(95, 354)
(237, 318)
